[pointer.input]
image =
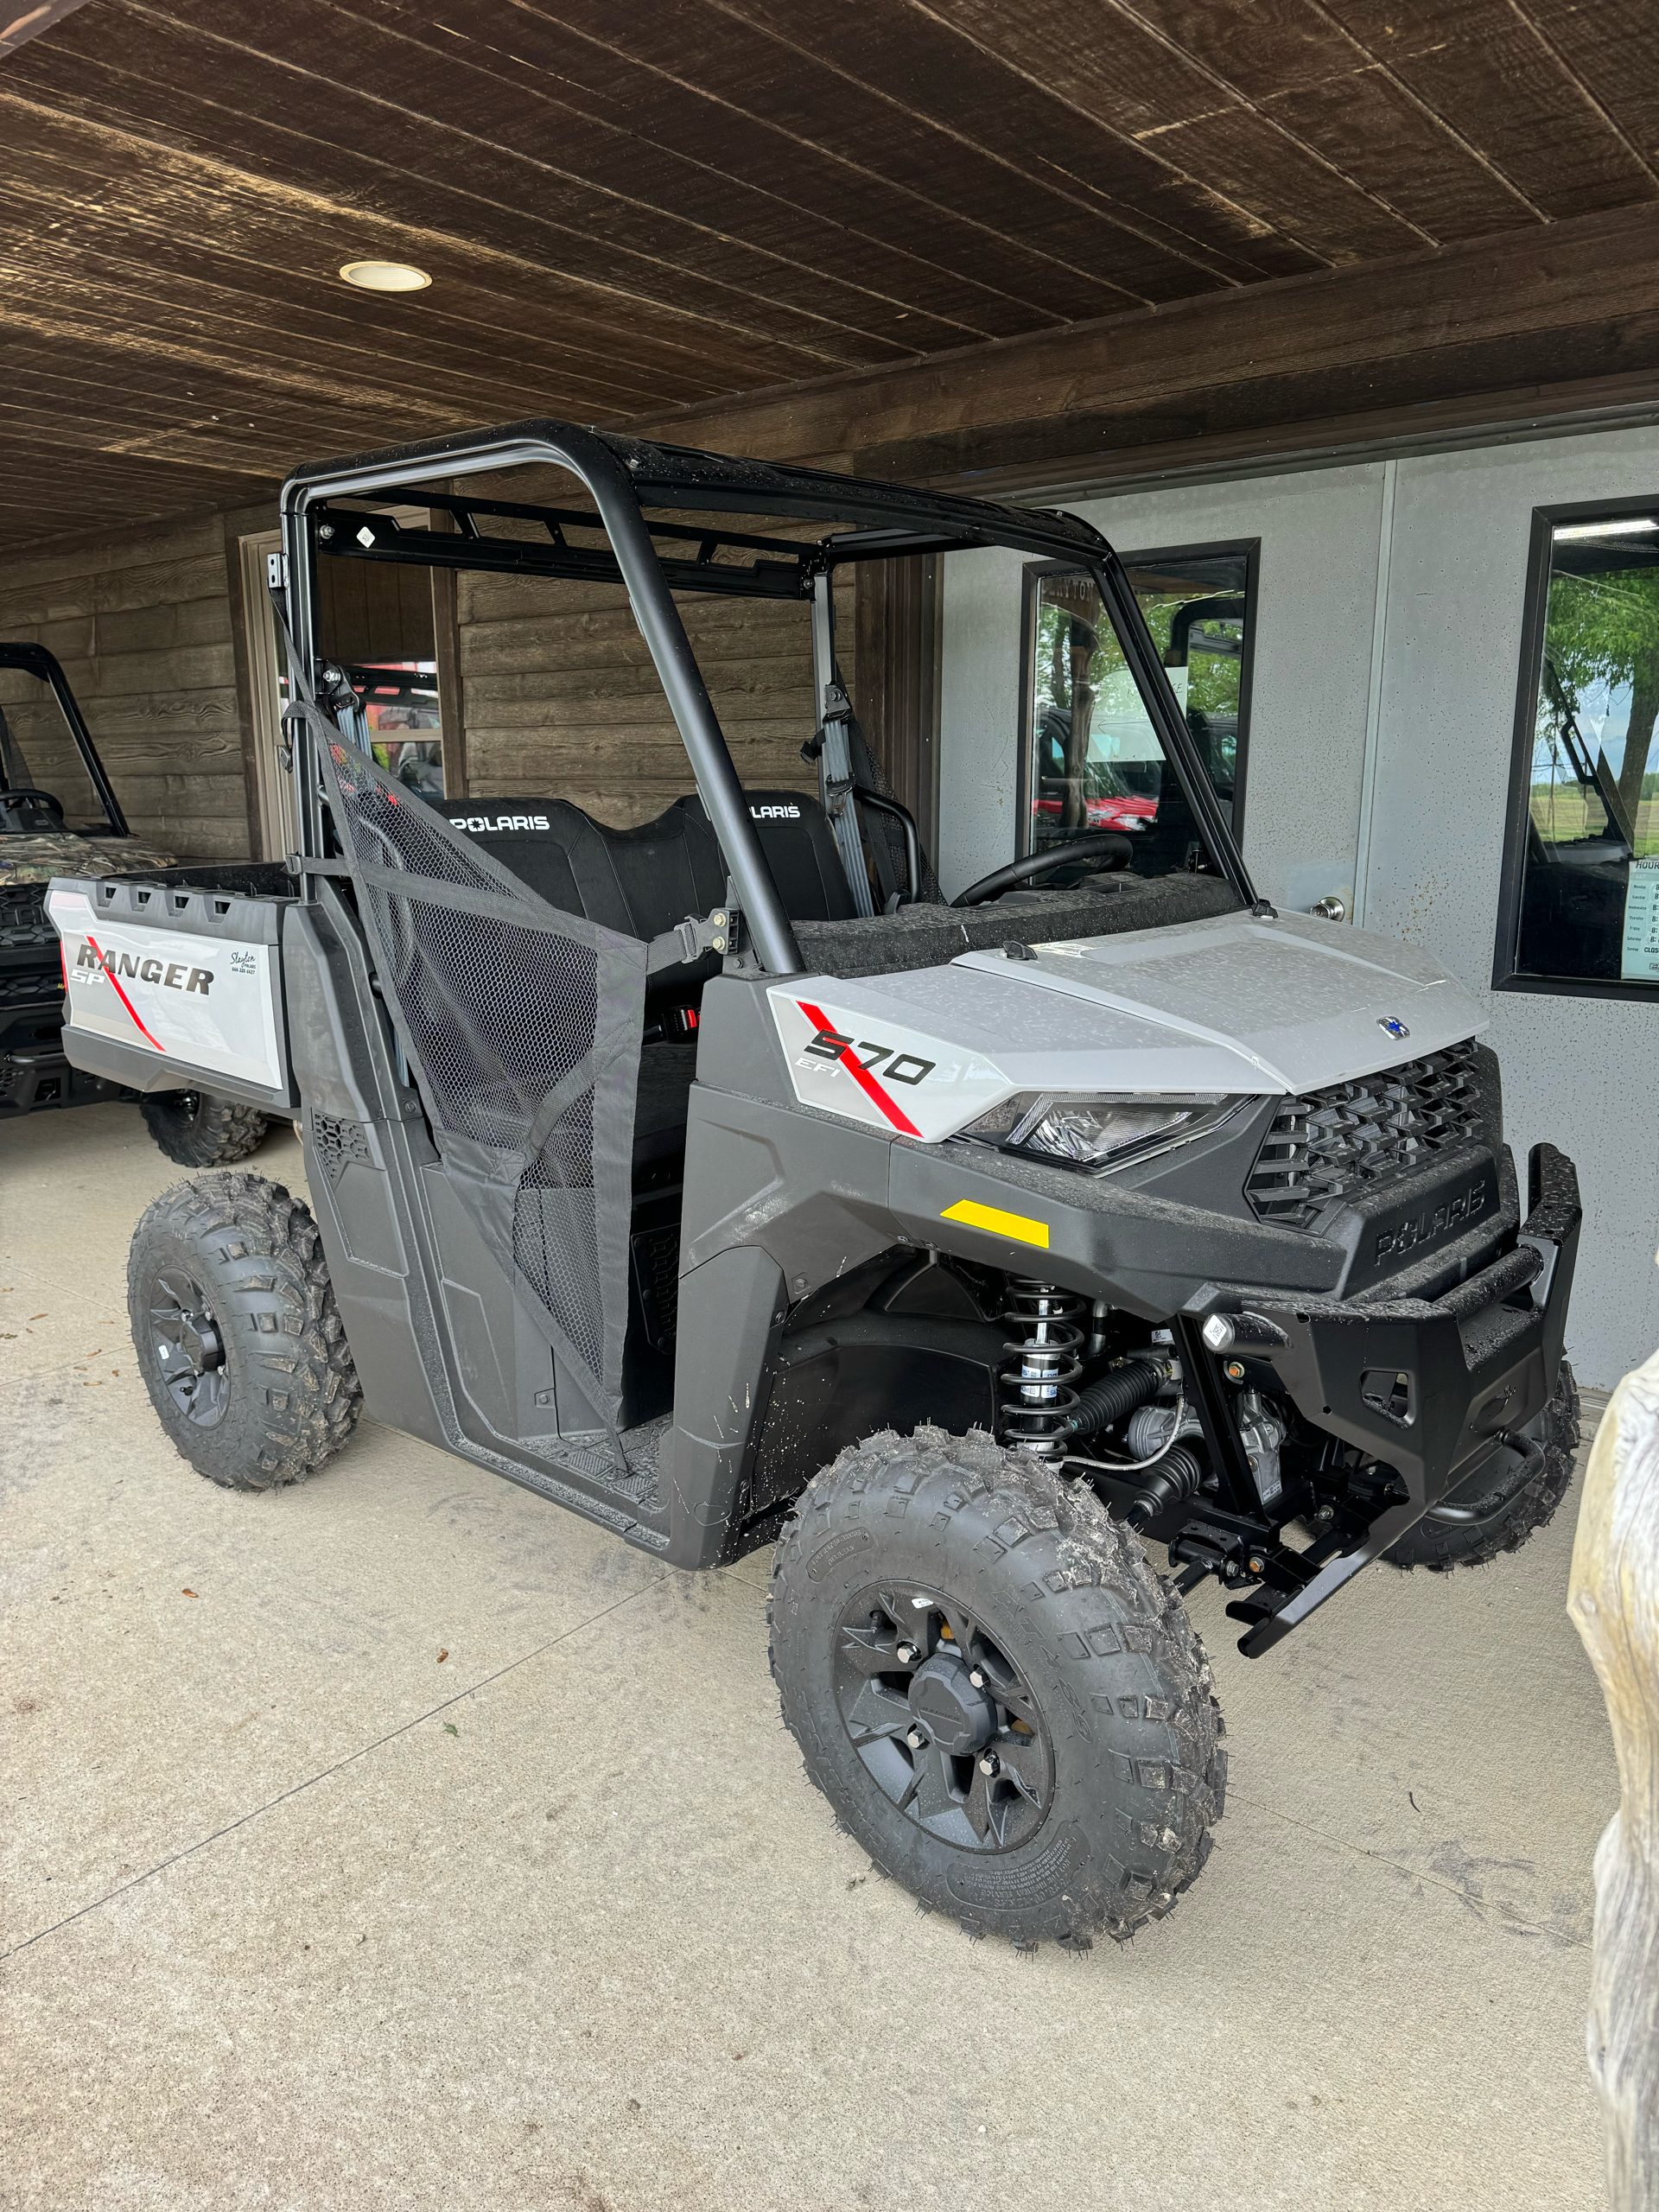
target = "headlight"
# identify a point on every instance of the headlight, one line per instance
(1097, 1130)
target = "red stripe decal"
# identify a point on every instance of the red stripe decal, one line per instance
(109, 971)
(861, 1076)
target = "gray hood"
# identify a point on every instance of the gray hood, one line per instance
(1234, 1005)
(1288, 1005)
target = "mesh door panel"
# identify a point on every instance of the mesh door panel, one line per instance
(555, 1228)
(527, 996)
(523, 1024)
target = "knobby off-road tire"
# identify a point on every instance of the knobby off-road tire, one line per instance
(238, 1337)
(199, 1131)
(1100, 1814)
(1442, 1545)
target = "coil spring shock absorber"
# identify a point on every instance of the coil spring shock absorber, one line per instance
(1043, 1363)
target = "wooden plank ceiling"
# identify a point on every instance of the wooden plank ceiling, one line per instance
(629, 210)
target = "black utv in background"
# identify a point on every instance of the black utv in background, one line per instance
(716, 1180)
(41, 838)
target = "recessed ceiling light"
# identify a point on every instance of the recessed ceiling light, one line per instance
(385, 276)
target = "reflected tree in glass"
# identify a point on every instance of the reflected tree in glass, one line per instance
(1601, 666)
(1096, 763)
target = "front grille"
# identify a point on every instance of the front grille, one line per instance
(23, 917)
(1353, 1139)
(34, 983)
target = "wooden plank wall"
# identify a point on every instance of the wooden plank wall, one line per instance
(899, 608)
(368, 611)
(562, 700)
(566, 705)
(142, 624)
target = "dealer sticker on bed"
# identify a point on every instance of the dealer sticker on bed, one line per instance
(205, 1001)
(880, 1072)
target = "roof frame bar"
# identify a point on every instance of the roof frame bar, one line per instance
(357, 534)
(624, 476)
(348, 533)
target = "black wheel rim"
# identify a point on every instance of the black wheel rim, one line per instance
(187, 1348)
(945, 1724)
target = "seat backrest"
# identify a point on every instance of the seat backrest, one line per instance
(521, 833)
(801, 851)
(643, 881)
(638, 882)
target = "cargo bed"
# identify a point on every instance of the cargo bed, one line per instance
(174, 979)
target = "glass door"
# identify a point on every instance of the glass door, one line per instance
(1091, 759)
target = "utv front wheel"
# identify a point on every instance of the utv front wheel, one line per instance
(238, 1337)
(199, 1131)
(998, 1696)
(1501, 1522)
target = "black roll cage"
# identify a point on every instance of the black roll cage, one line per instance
(35, 660)
(622, 475)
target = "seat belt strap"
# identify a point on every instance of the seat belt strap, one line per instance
(836, 788)
(835, 778)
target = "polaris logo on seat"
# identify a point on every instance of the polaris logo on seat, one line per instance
(173, 976)
(476, 821)
(775, 813)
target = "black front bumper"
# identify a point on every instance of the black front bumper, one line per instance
(35, 1072)
(35, 1078)
(1430, 1387)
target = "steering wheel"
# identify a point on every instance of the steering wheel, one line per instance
(23, 795)
(1107, 848)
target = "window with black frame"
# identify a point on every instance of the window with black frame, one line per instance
(1090, 759)
(1581, 871)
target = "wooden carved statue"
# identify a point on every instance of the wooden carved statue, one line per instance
(1614, 1603)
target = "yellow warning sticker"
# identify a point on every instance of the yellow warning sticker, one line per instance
(1020, 1226)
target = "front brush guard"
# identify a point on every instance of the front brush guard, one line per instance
(1479, 1366)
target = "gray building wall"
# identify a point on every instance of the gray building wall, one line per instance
(1387, 652)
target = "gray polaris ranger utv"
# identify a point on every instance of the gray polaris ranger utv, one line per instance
(715, 1181)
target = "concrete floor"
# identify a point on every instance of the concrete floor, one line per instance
(299, 1913)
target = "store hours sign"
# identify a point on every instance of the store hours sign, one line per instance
(1640, 961)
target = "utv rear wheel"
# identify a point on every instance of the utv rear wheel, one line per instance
(1442, 1545)
(199, 1131)
(998, 1696)
(238, 1337)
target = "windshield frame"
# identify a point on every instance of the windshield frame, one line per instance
(35, 660)
(623, 476)
(1246, 549)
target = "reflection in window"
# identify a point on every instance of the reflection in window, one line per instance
(399, 703)
(374, 619)
(1095, 763)
(1589, 891)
